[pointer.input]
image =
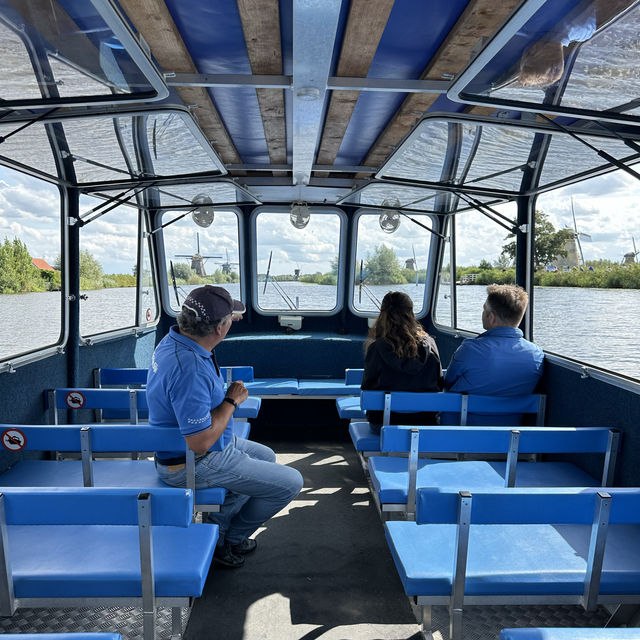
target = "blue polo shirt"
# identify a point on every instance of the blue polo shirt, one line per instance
(498, 362)
(183, 386)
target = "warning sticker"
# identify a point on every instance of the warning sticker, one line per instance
(13, 439)
(74, 400)
(149, 315)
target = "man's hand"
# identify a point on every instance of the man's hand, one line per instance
(237, 392)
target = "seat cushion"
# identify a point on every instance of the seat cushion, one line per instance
(568, 633)
(272, 386)
(390, 476)
(512, 559)
(327, 387)
(106, 473)
(104, 561)
(349, 408)
(364, 439)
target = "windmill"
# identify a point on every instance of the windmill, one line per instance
(197, 259)
(573, 246)
(227, 266)
(412, 263)
(630, 256)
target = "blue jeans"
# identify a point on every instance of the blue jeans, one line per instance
(257, 486)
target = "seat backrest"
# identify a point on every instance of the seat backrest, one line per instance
(353, 376)
(566, 505)
(119, 377)
(77, 398)
(91, 505)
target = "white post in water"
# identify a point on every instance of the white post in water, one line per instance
(297, 302)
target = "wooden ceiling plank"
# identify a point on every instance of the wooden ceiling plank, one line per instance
(261, 26)
(152, 20)
(480, 19)
(365, 25)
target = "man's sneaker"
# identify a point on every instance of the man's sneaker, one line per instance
(243, 548)
(225, 558)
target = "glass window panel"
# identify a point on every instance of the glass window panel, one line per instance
(95, 146)
(91, 55)
(390, 260)
(201, 255)
(30, 147)
(592, 45)
(17, 72)
(30, 247)
(480, 261)
(302, 263)
(586, 302)
(174, 147)
(108, 268)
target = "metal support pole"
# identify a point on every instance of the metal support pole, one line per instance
(87, 456)
(413, 474)
(386, 418)
(7, 598)
(146, 567)
(512, 459)
(610, 458)
(191, 476)
(597, 544)
(460, 566)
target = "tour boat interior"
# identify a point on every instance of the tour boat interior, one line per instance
(257, 138)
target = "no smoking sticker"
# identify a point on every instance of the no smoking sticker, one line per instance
(74, 400)
(13, 440)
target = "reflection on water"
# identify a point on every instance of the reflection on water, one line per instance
(596, 326)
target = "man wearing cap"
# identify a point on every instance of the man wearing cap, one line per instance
(185, 388)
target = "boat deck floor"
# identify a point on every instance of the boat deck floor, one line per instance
(322, 571)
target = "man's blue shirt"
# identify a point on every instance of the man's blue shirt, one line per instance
(498, 362)
(183, 386)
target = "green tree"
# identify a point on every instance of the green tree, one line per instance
(549, 243)
(181, 270)
(17, 274)
(90, 268)
(383, 267)
(484, 265)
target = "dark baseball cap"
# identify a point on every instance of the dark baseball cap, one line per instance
(211, 303)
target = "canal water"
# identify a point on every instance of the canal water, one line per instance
(595, 326)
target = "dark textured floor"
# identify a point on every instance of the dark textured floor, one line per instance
(323, 571)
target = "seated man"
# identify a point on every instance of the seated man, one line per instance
(185, 390)
(498, 362)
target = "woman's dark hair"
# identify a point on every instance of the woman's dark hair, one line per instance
(194, 326)
(398, 326)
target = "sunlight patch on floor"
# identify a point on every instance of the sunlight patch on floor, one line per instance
(321, 490)
(270, 617)
(334, 460)
(359, 490)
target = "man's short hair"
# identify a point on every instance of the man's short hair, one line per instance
(190, 324)
(508, 302)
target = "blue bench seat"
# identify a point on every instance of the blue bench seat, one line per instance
(327, 387)
(349, 408)
(91, 561)
(102, 546)
(390, 477)
(272, 387)
(133, 474)
(364, 438)
(61, 636)
(518, 545)
(512, 559)
(569, 633)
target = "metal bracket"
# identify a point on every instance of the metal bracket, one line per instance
(524, 228)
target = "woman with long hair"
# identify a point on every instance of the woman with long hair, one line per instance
(400, 356)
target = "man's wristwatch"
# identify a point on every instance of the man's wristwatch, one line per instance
(230, 401)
